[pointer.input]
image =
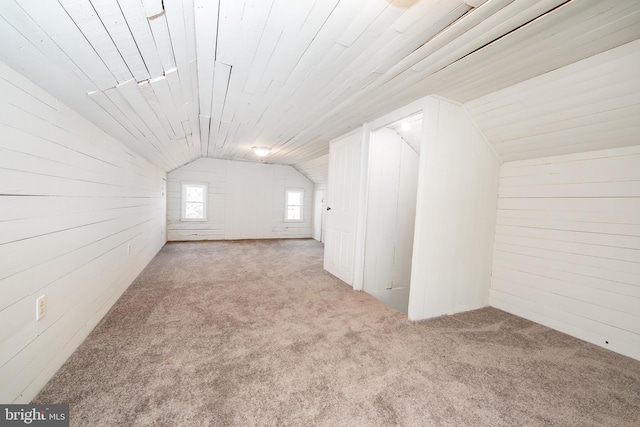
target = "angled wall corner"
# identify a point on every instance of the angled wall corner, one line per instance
(455, 215)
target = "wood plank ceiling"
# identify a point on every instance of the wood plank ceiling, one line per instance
(592, 104)
(175, 80)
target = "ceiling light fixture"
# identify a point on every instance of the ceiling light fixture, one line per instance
(261, 151)
(405, 126)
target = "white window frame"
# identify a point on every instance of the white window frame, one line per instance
(286, 204)
(183, 201)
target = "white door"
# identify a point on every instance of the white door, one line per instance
(342, 206)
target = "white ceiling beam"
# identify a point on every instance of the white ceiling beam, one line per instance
(192, 109)
(177, 31)
(159, 117)
(614, 67)
(115, 23)
(51, 18)
(367, 14)
(188, 11)
(135, 15)
(354, 76)
(449, 33)
(534, 49)
(180, 94)
(160, 31)
(296, 40)
(135, 98)
(88, 21)
(205, 122)
(254, 22)
(420, 11)
(322, 45)
(206, 34)
(65, 85)
(181, 87)
(101, 99)
(121, 103)
(149, 151)
(289, 17)
(492, 28)
(221, 78)
(268, 43)
(475, 3)
(230, 25)
(407, 83)
(161, 89)
(153, 7)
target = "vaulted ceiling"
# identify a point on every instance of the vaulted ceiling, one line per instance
(175, 80)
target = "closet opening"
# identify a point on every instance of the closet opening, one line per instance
(394, 152)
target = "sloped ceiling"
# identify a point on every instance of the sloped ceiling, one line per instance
(593, 104)
(179, 79)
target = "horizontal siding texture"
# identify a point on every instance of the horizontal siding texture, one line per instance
(590, 105)
(80, 217)
(567, 248)
(245, 201)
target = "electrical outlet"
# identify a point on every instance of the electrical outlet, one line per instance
(41, 307)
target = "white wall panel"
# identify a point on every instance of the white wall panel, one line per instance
(245, 201)
(80, 216)
(589, 105)
(567, 251)
(455, 215)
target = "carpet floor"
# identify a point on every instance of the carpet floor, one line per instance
(255, 332)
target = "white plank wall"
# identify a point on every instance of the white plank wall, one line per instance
(245, 201)
(589, 105)
(80, 216)
(455, 214)
(567, 247)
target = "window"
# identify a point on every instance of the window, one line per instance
(194, 202)
(293, 208)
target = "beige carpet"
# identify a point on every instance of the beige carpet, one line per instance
(256, 333)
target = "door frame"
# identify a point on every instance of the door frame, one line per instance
(348, 275)
(361, 227)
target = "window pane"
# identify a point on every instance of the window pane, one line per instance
(293, 212)
(293, 198)
(195, 194)
(194, 210)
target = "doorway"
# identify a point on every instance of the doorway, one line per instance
(318, 214)
(391, 208)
